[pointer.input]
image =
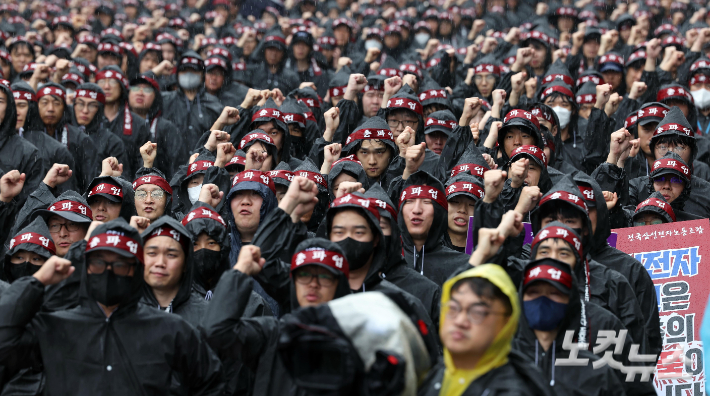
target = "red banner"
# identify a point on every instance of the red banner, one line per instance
(672, 254)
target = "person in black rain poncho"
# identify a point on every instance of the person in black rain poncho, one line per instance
(145, 345)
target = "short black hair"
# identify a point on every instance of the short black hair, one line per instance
(560, 209)
(676, 140)
(484, 289)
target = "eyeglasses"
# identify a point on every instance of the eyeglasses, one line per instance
(474, 314)
(109, 81)
(645, 223)
(120, 268)
(672, 179)
(378, 153)
(141, 195)
(305, 277)
(93, 106)
(70, 226)
(146, 90)
(406, 123)
(491, 78)
(664, 148)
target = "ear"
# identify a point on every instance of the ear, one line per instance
(376, 241)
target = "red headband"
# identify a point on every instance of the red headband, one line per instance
(112, 240)
(433, 94)
(152, 47)
(391, 72)
(114, 75)
(611, 58)
(659, 204)
(667, 163)
(405, 103)
(108, 47)
(85, 93)
(152, 179)
(675, 128)
(371, 87)
(349, 158)
(254, 176)
(275, 38)
(24, 95)
(71, 206)
(474, 169)
(170, 232)
(35, 239)
(384, 205)
(442, 123)
(203, 212)
(351, 199)
(587, 193)
(198, 166)
(337, 91)
(544, 115)
(699, 64)
(54, 91)
(424, 192)
(671, 92)
(267, 113)
(216, 61)
(310, 102)
(557, 88)
(559, 233)
(487, 68)
(294, 117)
(698, 78)
(630, 121)
(328, 258)
(192, 61)
(638, 55)
(366, 134)
(563, 77)
(312, 176)
(652, 111)
(567, 197)
(465, 187)
(596, 80)
(106, 188)
(282, 174)
(547, 272)
(530, 150)
(517, 113)
(255, 136)
(586, 99)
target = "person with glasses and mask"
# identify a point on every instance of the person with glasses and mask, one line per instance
(654, 210)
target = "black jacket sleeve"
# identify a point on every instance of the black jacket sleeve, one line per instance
(18, 306)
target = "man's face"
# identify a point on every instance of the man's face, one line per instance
(147, 205)
(435, 141)
(315, 285)
(539, 54)
(669, 185)
(50, 109)
(214, 79)
(273, 56)
(112, 89)
(21, 55)
(516, 137)
(534, 172)
(141, 97)
(371, 102)
(645, 219)
(85, 110)
(24, 256)
(349, 223)
(300, 50)
(64, 233)
(400, 119)
(105, 59)
(645, 133)
(544, 289)
(103, 209)
(342, 35)
(590, 48)
(149, 61)
(585, 110)
(571, 222)
(459, 334)
(205, 241)
(168, 51)
(633, 74)
(418, 216)
(272, 131)
(385, 226)
(374, 156)
(22, 106)
(164, 263)
(565, 24)
(342, 177)
(461, 208)
(392, 40)
(485, 82)
(556, 249)
(245, 206)
(683, 106)
(613, 78)
(685, 152)
(249, 46)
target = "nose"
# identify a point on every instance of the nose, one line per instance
(149, 198)
(63, 231)
(314, 282)
(666, 185)
(418, 208)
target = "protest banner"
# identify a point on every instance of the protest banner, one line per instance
(672, 254)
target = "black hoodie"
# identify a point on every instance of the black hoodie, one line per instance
(284, 79)
(204, 164)
(40, 243)
(16, 152)
(128, 206)
(435, 261)
(142, 346)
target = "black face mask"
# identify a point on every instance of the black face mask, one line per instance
(356, 252)
(17, 271)
(208, 263)
(110, 289)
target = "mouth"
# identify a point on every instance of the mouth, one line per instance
(99, 217)
(245, 212)
(148, 209)
(312, 297)
(158, 274)
(373, 170)
(416, 221)
(460, 221)
(437, 150)
(666, 197)
(458, 336)
(64, 244)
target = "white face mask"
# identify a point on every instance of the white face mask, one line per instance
(194, 193)
(702, 98)
(373, 44)
(189, 80)
(422, 38)
(563, 115)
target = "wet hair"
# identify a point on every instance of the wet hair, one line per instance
(553, 96)
(484, 289)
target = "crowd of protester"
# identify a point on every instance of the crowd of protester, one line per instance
(276, 198)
